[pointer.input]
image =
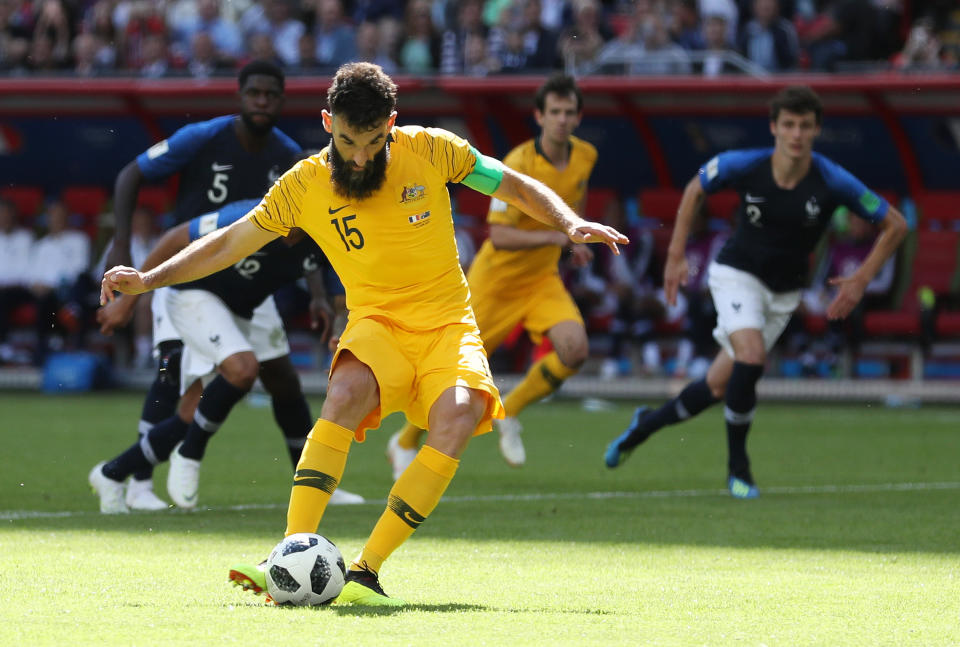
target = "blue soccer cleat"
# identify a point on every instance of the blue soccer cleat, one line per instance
(740, 489)
(624, 444)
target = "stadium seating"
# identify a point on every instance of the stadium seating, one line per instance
(934, 263)
(155, 198)
(939, 210)
(26, 199)
(88, 202)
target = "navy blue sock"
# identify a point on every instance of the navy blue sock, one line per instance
(694, 398)
(161, 400)
(217, 400)
(741, 402)
(293, 417)
(151, 449)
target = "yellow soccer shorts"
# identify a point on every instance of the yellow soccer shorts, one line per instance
(539, 307)
(413, 368)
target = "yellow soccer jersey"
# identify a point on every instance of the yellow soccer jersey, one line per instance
(394, 251)
(515, 268)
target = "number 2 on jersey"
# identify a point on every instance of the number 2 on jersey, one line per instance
(350, 236)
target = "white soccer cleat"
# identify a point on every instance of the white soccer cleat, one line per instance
(510, 444)
(342, 497)
(400, 457)
(140, 496)
(109, 491)
(183, 479)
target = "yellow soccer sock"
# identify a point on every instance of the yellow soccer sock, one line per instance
(410, 436)
(543, 378)
(412, 498)
(318, 473)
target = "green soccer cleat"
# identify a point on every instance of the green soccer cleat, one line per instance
(363, 589)
(741, 488)
(250, 577)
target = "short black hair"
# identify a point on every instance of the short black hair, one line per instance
(561, 84)
(261, 67)
(798, 99)
(362, 95)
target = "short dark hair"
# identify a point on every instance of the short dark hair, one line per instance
(261, 67)
(362, 95)
(798, 99)
(560, 84)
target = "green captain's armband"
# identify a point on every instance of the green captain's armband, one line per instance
(486, 175)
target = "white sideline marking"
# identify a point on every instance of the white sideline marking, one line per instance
(16, 515)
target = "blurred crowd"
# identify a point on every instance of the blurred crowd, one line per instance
(203, 38)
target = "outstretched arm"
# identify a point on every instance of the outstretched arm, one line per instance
(675, 270)
(125, 192)
(850, 290)
(203, 257)
(538, 201)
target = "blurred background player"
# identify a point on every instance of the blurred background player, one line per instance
(514, 277)
(227, 339)
(228, 158)
(788, 194)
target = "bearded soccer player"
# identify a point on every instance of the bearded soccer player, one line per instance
(376, 202)
(514, 278)
(788, 194)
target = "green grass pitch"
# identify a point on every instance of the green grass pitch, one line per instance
(855, 539)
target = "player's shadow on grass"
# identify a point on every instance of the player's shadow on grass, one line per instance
(364, 611)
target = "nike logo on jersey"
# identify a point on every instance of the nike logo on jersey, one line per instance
(219, 168)
(333, 211)
(215, 339)
(754, 199)
(736, 306)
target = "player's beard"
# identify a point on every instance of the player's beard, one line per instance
(361, 184)
(258, 128)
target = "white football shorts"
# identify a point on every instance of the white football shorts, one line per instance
(743, 301)
(211, 333)
(163, 329)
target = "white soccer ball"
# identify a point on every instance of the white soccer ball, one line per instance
(305, 569)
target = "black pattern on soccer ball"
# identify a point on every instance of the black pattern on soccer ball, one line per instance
(299, 546)
(283, 580)
(319, 575)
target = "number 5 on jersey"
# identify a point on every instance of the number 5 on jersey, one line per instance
(350, 236)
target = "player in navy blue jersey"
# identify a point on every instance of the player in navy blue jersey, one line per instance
(788, 194)
(227, 339)
(228, 158)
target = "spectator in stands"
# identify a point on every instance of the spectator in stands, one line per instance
(476, 62)
(52, 30)
(716, 47)
(685, 27)
(261, 48)
(769, 40)
(468, 30)
(377, 10)
(661, 56)
(726, 8)
(16, 32)
(225, 35)
(135, 21)
(42, 57)
(58, 279)
(98, 23)
(420, 50)
(336, 40)
(15, 247)
(284, 31)
(155, 61)
(307, 62)
(922, 51)
(526, 44)
(617, 53)
(374, 41)
(205, 59)
(845, 31)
